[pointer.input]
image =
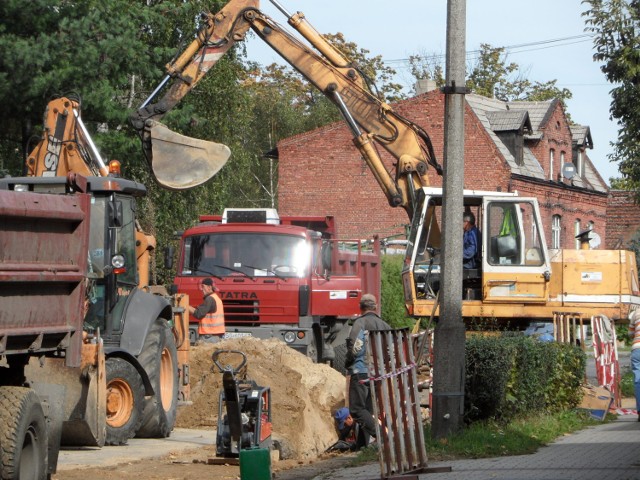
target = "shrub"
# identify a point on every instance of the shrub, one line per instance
(394, 311)
(511, 375)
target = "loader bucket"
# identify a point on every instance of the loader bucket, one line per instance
(179, 162)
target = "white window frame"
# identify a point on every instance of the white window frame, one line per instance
(580, 166)
(551, 155)
(556, 230)
(576, 230)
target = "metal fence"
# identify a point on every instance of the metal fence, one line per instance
(392, 371)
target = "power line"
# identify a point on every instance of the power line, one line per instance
(543, 44)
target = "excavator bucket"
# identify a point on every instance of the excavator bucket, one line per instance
(179, 162)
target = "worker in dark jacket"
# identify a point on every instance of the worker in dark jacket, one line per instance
(360, 402)
(471, 242)
(210, 312)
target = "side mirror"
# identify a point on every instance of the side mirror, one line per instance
(327, 251)
(168, 257)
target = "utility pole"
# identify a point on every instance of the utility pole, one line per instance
(449, 337)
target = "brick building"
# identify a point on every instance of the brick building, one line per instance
(509, 146)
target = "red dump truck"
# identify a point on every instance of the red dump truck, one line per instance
(52, 375)
(286, 277)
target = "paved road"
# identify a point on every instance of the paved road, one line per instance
(181, 439)
(605, 452)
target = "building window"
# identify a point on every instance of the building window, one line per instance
(576, 232)
(555, 231)
(580, 165)
(551, 155)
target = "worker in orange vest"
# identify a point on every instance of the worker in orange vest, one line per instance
(210, 312)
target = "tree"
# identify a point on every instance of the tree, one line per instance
(427, 67)
(616, 28)
(491, 76)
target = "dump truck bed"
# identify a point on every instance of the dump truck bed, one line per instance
(43, 262)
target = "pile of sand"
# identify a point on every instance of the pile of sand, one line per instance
(304, 395)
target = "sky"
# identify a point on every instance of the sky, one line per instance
(395, 30)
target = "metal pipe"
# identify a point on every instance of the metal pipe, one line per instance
(94, 151)
(344, 110)
(155, 92)
(281, 8)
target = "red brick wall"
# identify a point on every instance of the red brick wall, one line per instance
(556, 136)
(623, 219)
(322, 173)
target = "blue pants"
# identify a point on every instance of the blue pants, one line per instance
(635, 368)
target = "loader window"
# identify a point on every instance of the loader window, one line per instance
(97, 238)
(125, 243)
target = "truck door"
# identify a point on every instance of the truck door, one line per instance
(336, 281)
(515, 264)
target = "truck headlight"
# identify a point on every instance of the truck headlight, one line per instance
(289, 337)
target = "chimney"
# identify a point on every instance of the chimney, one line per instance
(424, 86)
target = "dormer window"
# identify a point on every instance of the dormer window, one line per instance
(510, 126)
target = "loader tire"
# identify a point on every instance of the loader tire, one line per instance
(340, 359)
(125, 400)
(23, 435)
(159, 358)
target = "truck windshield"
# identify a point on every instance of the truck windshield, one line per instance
(248, 254)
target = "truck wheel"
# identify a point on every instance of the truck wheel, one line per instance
(313, 351)
(340, 359)
(23, 435)
(159, 358)
(125, 399)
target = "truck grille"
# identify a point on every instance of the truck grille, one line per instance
(241, 312)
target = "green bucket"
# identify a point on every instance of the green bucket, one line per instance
(255, 464)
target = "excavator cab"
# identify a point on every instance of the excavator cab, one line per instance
(514, 265)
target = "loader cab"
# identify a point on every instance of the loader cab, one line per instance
(514, 265)
(112, 262)
(112, 269)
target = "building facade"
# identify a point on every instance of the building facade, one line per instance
(528, 147)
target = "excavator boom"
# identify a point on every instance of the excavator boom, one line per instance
(370, 119)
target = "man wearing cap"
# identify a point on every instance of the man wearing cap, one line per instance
(210, 312)
(347, 429)
(360, 402)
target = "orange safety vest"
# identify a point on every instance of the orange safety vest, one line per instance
(213, 323)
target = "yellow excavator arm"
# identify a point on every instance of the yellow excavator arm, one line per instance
(370, 119)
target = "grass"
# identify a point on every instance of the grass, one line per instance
(522, 436)
(626, 384)
(491, 439)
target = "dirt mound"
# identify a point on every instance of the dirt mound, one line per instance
(303, 394)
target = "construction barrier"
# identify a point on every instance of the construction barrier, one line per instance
(394, 389)
(605, 350)
(568, 327)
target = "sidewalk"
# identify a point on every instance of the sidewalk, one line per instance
(605, 452)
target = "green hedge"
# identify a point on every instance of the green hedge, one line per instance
(509, 375)
(394, 311)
